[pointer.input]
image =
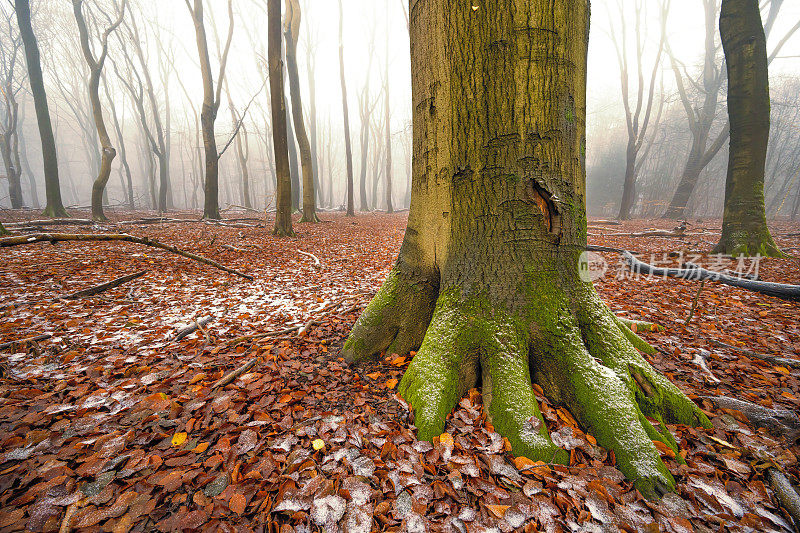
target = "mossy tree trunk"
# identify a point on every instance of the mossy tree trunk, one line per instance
(744, 220)
(54, 207)
(283, 193)
(291, 33)
(3, 230)
(487, 281)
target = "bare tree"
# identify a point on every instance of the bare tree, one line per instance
(291, 34)
(283, 215)
(387, 111)
(636, 123)
(365, 109)
(211, 103)
(348, 150)
(10, 85)
(126, 178)
(96, 65)
(54, 208)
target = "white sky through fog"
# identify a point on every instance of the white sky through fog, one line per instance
(362, 17)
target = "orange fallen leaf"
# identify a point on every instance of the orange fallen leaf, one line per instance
(498, 511)
(374, 375)
(391, 383)
(664, 449)
(446, 439)
(398, 361)
(200, 448)
(237, 503)
(286, 398)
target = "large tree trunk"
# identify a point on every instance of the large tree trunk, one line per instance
(744, 222)
(347, 148)
(487, 282)
(294, 169)
(54, 207)
(283, 194)
(291, 31)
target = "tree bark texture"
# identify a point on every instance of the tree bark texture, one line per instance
(487, 281)
(744, 221)
(283, 195)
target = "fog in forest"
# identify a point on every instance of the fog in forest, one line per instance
(375, 32)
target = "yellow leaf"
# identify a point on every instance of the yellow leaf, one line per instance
(391, 383)
(783, 370)
(446, 439)
(200, 448)
(178, 439)
(318, 444)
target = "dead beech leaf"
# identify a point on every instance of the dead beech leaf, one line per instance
(237, 503)
(498, 511)
(391, 383)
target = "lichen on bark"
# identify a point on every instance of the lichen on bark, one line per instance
(487, 284)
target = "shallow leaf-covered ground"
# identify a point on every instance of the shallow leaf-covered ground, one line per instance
(110, 425)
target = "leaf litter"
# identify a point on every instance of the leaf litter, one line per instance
(110, 426)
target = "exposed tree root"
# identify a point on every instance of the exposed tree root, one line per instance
(779, 422)
(778, 290)
(110, 237)
(572, 346)
(20, 342)
(781, 361)
(786, 494)
(317, 262)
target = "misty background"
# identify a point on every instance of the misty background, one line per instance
(374, 31)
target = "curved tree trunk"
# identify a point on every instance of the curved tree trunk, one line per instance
(54, 207)
(487, 282)
(744, 222)
(291, 31)
(95, 75)
(347, 148)
(283, 194)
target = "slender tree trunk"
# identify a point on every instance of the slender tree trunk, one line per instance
(364, 138)
(283, 214)
(211, 101)
(127, 184)
(294, 168)
(54, 207)
(291, 33)
(23, 150)
(95, 76)
(387, 111)
(744, 221)
(348, 150)
(487, 281)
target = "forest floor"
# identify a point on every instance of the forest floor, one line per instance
(110, 425)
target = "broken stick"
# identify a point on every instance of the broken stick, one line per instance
(37, 338)
(97, 289)
(317, 263)
(114, 237)
(191, 328)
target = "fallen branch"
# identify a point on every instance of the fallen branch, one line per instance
(780, 422)
(780, 361)
(191, 328)
(52, 222)
(97, 289)
(778, 290)
(786, 494)
(234, 248)
(230, 376)
(317, 263)
(110, 237)
(37, 338)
